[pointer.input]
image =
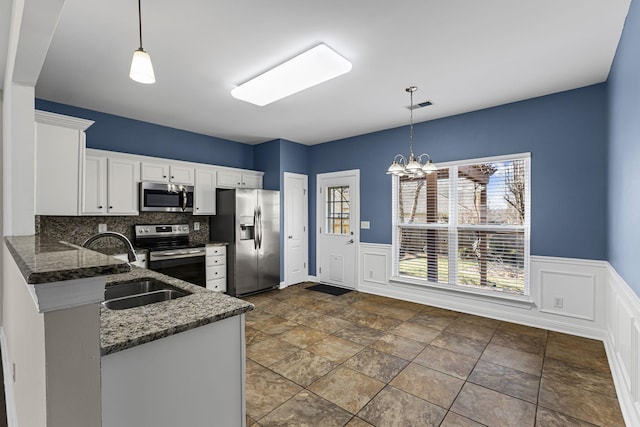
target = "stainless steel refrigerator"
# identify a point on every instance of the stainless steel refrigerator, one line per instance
(249, 220)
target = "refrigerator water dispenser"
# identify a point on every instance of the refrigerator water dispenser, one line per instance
(247, 231)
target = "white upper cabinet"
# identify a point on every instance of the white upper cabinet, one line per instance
(205, 192)
(94, 200)
(110, 186)
(60, 144)
(154, 172)
(181, 175)
(166, 173)
(122, 189)
(239, 179)
(251, 180)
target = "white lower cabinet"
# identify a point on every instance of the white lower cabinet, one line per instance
(216, 265)
(110, 186)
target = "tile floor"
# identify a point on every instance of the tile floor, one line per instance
(315, 359)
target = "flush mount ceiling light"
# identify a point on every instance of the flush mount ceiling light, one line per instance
(414, 166)
(306, 70)
(141, 67)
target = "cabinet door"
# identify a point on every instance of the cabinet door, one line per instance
(122, 186)
(251, 181)
(205, 192)
(57, 170)
(154, 172)
(181, 175)
(94, 197)
(229, 179)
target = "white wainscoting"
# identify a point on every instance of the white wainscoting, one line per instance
(596, 303)
(622, 341)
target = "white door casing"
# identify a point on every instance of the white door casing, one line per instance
(296, 235)
(338, 228)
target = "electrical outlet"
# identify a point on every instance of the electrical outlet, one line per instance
(370, 274)
(557, 302)
(365, 225)
(196, 226)
(102, 228)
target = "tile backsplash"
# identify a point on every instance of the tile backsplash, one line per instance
(77, 229)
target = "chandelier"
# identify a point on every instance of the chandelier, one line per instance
(415, 166)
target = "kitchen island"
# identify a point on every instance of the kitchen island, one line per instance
(179, 362)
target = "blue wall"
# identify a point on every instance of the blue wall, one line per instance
(115, 133)
(566, 134)
(266, 158)
(624, 154)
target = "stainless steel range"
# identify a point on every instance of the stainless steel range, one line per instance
(171, 252)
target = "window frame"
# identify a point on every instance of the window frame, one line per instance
(453, 226)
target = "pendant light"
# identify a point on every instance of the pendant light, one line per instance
(414, 166)
(141, 67)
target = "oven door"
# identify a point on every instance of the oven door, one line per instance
(190, 269)
(156, 197)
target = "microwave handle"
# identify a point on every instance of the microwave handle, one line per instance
(184, 199)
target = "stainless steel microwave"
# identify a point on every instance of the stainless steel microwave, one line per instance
(156, 197)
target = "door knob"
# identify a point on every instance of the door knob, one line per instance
(291, 237)
(350, 241)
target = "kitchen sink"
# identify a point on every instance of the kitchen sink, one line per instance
(140, 292)
(140, 286)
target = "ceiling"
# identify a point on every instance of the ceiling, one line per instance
(464, 55)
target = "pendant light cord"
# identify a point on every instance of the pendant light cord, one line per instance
(140, 22)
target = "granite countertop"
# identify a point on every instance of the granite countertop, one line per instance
(122, 329)
(218, 244)
(42, 261)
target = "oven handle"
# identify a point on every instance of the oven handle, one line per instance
(166, 254)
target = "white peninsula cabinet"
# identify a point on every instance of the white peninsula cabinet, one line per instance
(205, 192)
(110, 186)
(60, 143)
(239, 179)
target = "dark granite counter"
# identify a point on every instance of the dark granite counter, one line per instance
(122, 329)
(43, 262)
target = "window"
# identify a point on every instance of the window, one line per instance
(465, 225)
(338, 210)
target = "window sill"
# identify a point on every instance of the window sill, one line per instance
(522, 301)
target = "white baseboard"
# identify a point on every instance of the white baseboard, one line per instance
(312, 278)
(9, 395)
(597, 303)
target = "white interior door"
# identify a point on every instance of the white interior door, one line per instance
(296, 237)
(338, 231)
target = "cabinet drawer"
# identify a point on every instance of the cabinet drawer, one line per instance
(216, 250)
(217, 272)
(212, 261)
(219, 285)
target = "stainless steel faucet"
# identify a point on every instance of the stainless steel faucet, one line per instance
(131, 253)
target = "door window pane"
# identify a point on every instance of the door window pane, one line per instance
(338, 221)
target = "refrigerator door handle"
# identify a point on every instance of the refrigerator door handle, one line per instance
(255, 228)
(259, 227)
